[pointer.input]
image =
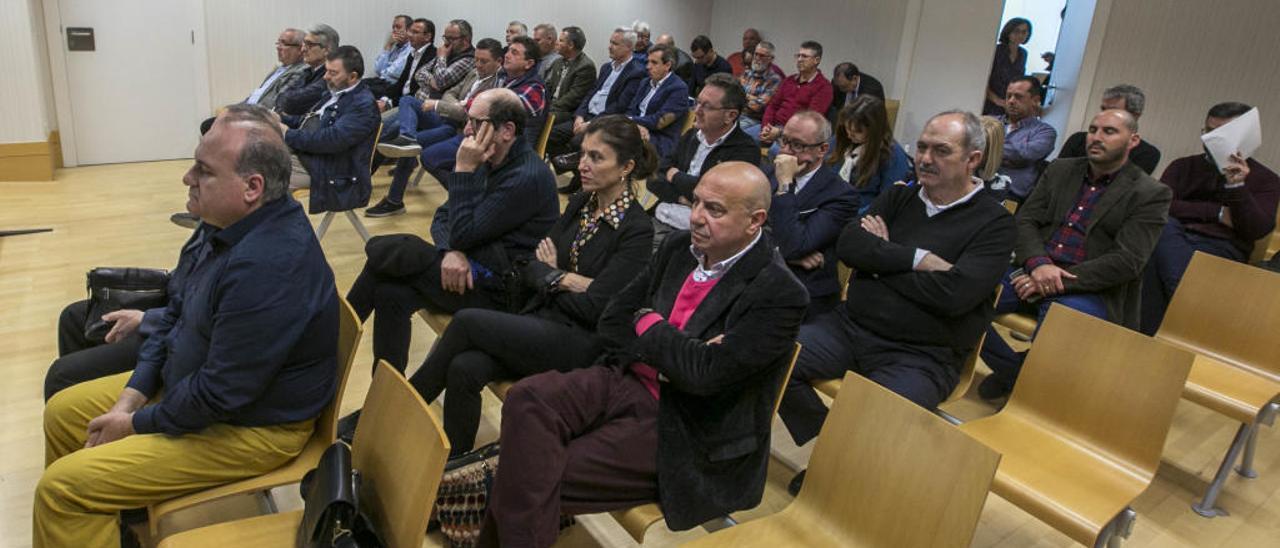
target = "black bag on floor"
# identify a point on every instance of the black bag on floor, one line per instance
(331, 517)
(117, 288)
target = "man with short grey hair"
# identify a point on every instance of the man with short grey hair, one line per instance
(514, 29)
(1130, 99)
(927, 259)
(245, 354)
(545, 36)
(317, 44)
(640, 47)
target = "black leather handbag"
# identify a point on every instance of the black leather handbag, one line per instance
(331, 515)
(115, 288)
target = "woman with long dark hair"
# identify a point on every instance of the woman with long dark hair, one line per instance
(866, 156)
(603, 239)
(1010, 62)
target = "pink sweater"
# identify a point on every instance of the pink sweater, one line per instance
(691, 295)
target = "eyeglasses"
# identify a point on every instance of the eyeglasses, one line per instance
(475, 122)
(448, 38)
(307, 44)
(793, 144)
(280, 44)
(703, 105)
(763, 55)
(803, 56)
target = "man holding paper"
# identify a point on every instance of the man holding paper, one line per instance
(1223, 201)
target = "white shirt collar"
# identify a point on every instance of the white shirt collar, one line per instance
(931, 209)
(702, 138)
(703, 274)
(659, 83)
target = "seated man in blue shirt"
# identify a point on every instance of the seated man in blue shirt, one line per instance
(245, 358)
(662, 102)
(1028, 140)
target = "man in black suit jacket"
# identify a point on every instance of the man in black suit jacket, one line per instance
(679, 410)
(615, 87)
(848, 83)
(421, 37)
(319, 42)
(717, 139)
(811, 205)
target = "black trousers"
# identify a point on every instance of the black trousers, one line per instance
(81, 359)
(580, 442)
(562, 140)
(833, 344)
(482, 346)
(396, 300)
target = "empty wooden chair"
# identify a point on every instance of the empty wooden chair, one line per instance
(884, 472)
(349, 333)
(637, 520)
(688, 123)
(399, 480)
(544, 135)
(1228, 314)
(1083, 430)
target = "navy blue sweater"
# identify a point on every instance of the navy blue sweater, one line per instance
(251, 336)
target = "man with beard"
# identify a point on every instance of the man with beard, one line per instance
(1084, 235)
(759, 82)
(333, 142)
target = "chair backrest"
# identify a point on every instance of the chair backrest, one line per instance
(1263, 246)
(541, 149)
(791, 366)
(400, 450)
(891, 110)
(970, 366)
(887, 472)
(1102, 387)
(349, 332)
(1229, 311)
(377, 137)
(688, 123)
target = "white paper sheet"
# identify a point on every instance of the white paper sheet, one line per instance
(1243, 135)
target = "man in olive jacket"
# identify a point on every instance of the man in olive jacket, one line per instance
(571, 76)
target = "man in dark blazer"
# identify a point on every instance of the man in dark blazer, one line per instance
(612, 93)
(320, 41)
(848, 83)
(1084, 235)
(332, 144)
(421, 36)
(716, 139)
(811, 205)
(679, 411)
(662, 102)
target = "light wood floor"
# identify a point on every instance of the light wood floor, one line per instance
(118, 215)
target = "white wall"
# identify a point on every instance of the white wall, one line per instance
(865, 32)
(1188, 55)
(241, 52)
(25, 107)
(947, 61)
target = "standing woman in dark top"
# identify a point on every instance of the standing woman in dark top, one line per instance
(1010, 62)
(600, 243)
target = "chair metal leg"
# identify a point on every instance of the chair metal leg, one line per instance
(355, 221)
(324, 225)
(267, 502)
(1118, 529)
(948, 417)
(1206, 506)
(1267, 416)
(719, 523)
(422, 170)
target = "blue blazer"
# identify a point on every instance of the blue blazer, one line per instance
(809, 221)
(337, 150)
(620, 95)
(665, 116)
(893, 169)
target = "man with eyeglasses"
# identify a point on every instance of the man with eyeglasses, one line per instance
(454, 59)
(421, 35)
(705, 62)
(811, 205)
(716, 139)
(319, 42)
(760, 81)
(807, 89)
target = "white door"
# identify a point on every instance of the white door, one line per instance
(134, 97)
(1068, 60)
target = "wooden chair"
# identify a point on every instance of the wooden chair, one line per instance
(891, 107)
(350, 214)
(349, 333)
(541, 148)
(637, 520)
(831, 387)
(399, 480)
(688, 123)
(1265, 246)
(1237, 363)
(884, 472)
(1083, 430)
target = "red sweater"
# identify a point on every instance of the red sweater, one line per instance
(1198, 196)
(792, 97)
(691, 295)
